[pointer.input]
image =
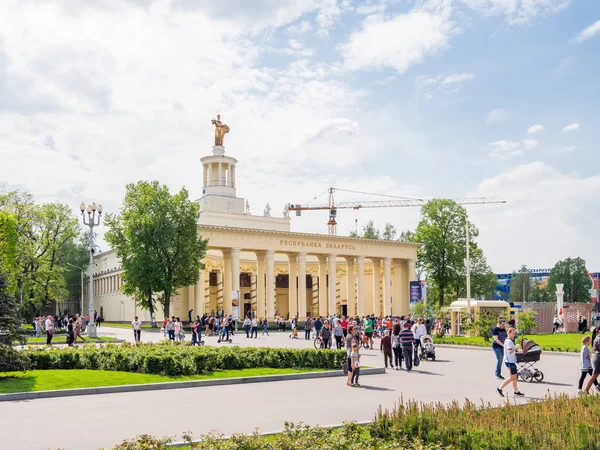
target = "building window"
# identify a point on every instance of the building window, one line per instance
(309, 282)
(282, 282)
(212, 278)
(245, 280)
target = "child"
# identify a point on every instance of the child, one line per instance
(355, 360)
(585, 364)
(510, 360)
(294, 334)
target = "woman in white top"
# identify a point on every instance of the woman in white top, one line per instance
(510, 360)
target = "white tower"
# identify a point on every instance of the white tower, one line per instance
(218, 183)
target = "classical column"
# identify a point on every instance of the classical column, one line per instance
(227, 281)
(387, 287)
(350, 286)
(322, 285)
(220, 174)
(404, 287)
(191, 300)
(260, 285)
(412, 270)
(301, 286)
(360, 285)
(199, 294)
(270, 284)
(332, 284)
(292, 297)
(396, 288)
(314, 304)
(376, 286)
(235, 277)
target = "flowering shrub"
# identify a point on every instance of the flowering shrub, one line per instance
(174, 359)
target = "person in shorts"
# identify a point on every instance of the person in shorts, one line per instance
(595, 363)
(510, 361)
(368, 326)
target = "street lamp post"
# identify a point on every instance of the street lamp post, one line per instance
(93, 220)
(81, 297)
(468, 263)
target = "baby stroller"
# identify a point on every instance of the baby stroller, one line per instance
(526, 361)
(223, 336)
(427, 347)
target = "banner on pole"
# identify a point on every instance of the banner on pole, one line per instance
(416, 292)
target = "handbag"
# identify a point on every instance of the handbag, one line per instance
(345, 368)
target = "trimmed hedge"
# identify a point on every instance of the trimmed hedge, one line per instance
(179, 359)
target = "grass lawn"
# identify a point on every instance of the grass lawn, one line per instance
(60, 339)
(45, 380)
(548, 342)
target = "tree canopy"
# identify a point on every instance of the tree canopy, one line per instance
(156, 237)
(574, 275)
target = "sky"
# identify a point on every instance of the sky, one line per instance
(412, 98)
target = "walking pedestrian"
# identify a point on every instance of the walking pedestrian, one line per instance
(197, 331)
(265, 327)
(170, 329)
(419, 329)
(585, 364)
(307, 323)
(406, 339)
(386, 348)
(595, 361)
(351, 338)
(177, 329)
(355, 360)
(368, 326)
(70, 333)
(136, 324)
(318, 325)
(499, 336)
(78, 326)
(510, 360)
(338, 334)
(247, 324)
(325, 335)
(49, 330)
(254, 331)
(397, 347)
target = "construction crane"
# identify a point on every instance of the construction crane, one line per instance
(393, 202)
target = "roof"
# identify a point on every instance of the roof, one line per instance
(314, 235)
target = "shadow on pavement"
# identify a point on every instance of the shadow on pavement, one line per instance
(556, 384)
(426, 372)
(375, 388)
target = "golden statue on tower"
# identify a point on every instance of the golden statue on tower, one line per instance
(220, 130)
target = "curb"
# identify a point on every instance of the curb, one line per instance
(112, 341)
(473, 347)
(181, 384)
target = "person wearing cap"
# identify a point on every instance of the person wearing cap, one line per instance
(499, 336)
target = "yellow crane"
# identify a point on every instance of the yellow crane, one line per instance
(393, 202)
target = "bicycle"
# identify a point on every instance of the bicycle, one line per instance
(318, 343)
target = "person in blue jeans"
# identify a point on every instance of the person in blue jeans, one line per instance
(499, 336)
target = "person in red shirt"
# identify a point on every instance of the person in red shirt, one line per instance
(344, 324)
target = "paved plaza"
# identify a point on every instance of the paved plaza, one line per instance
(104, 420)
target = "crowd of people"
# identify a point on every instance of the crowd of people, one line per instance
(73, 324)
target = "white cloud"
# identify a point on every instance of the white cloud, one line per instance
(569, 149)
(497, 115)
(445, 83)
(548, 216)
(504, 149)
(518, 12)
(535, 129)
(399, 42)
(528, 144)
(571, 127)
(589, 32)
(300, 28)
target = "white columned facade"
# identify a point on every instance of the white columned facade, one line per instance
(260, 286)
(402, 267)
(270, 284)
(301, 286)
(360, 286)
(227, 281)
(322, 285)
(387, 287)
(397, 289)
(220, 172)
(292, 297)
(376, 286)
(235, 276)
(332, 284)
(350, 287)
(192, 300)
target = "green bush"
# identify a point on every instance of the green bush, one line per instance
(178, 359)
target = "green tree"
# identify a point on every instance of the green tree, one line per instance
(442, 232)
(11, 330)
(541, 294)
(44, 232)
(527, 322)
(483, 279)
(407, 236)
(8, 248)
(76, 254)
(156, 237)
(389, 232)
(522, 286)
(574, 275)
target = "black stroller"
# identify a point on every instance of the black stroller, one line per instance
(526, 361)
